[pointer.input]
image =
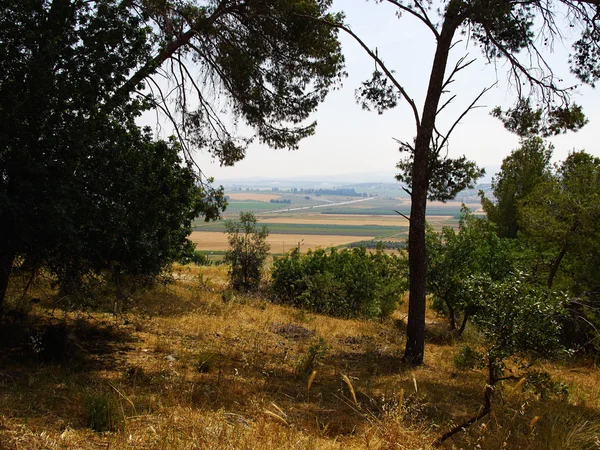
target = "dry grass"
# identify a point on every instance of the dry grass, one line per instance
(216, 241)
(192, 368)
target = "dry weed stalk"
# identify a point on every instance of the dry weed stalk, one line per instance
(311, 379)
(517, 386)
(350, 387)
(277, 416)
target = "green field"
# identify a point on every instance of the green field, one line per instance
(319, 229)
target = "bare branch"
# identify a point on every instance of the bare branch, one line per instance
(460, 65)
(403, 215)
(379, 62)
(445, 104)
(546, 83)
(423, 17)
(464, 113)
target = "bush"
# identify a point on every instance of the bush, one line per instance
(195, 257)
(247, 252)
(346, 283)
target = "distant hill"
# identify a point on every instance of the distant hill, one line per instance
(380, 179)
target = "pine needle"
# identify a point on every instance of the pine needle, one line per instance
(415, 383)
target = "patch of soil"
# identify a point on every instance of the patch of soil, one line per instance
(356, 340)
(291, 331)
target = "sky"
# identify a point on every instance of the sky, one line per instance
(349, 140)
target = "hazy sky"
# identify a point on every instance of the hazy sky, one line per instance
(350, 140)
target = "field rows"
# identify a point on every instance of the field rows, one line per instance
(216, 241)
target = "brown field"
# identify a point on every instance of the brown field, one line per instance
(216, 241)
(253, 196)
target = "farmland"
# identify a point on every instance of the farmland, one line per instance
(314, 219)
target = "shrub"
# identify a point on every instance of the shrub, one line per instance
(103, 412)
(247, 252)
(518, 320)
(313, 357)
(195, 257)
(346, 283)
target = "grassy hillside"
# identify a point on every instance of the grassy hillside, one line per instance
(192, 365)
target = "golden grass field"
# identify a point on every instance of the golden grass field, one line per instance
(216, 241)
(189, 367)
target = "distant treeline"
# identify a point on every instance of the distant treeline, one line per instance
(283, 200)
(387, 245)
(346, 192)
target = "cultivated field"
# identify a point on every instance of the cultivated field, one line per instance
(280, 243)
(252, 196)
(323, 220)
(336, 219)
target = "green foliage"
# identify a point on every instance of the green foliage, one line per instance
(560, 222)
(83, 190)
(377, 93)
(521, 171)
(313, 357)
(468, 358)
(247, 252)
(560, 217)
(346, 283)
(517, 319)
(541, 383)
(526, 121)
(192, 256)
(103, 412)
(448, 176)
(272, 61)
(453, 256)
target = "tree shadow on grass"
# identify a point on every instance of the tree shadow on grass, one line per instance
(76, 345)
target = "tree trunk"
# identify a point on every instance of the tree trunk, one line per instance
(483, 411)
(556, 264)
(464, 323)
(415, 331)
(451, 316)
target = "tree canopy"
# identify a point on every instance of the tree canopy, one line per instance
(75, 75)
(521, 172)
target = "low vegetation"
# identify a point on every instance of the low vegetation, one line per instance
(190, 367)
(346, 283)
